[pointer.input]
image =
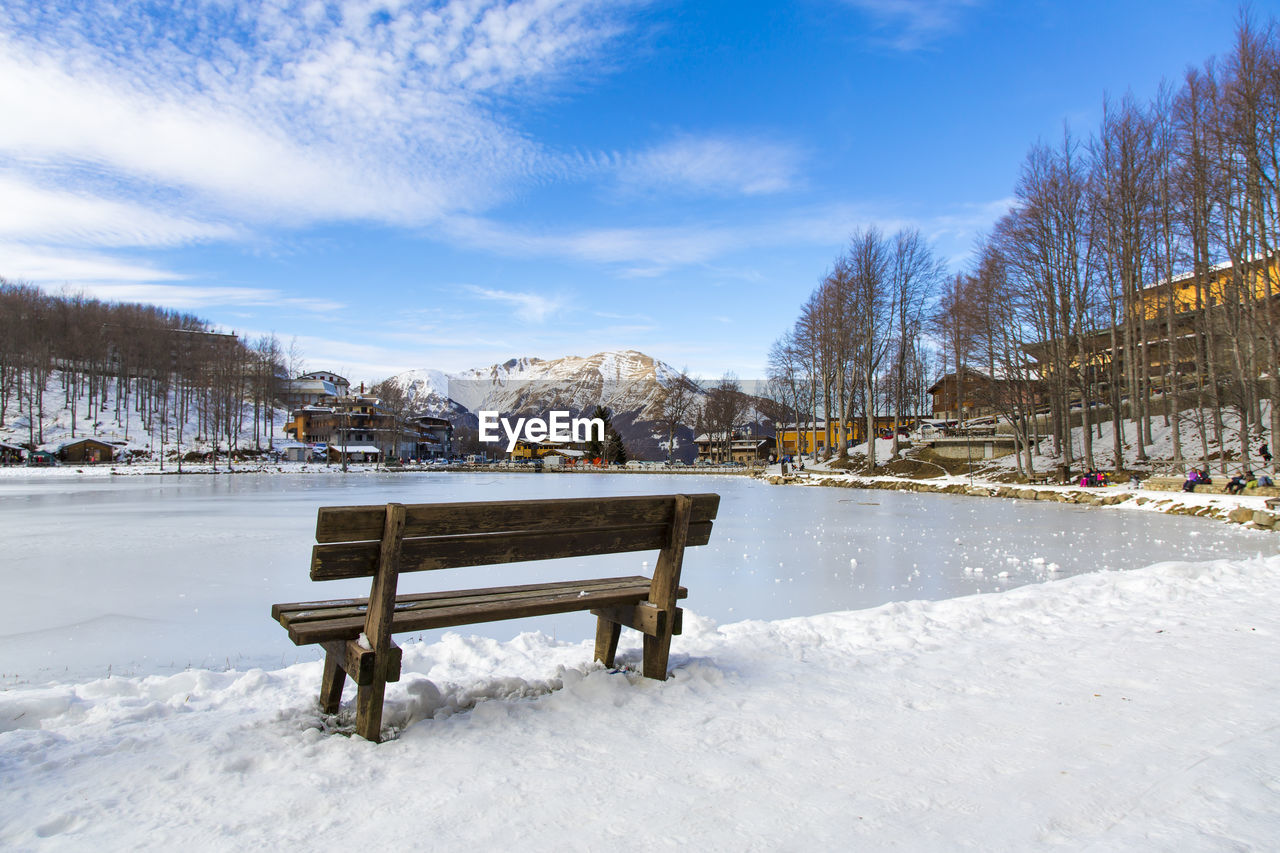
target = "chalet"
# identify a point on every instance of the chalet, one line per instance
(10, 454)
(965, 394)
(743, 447)
(434, 437)
(318, 388)
(86, 450)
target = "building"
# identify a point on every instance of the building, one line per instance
(360, 421)
(435, 437)
(318, 388)
(743, 447)
(525, 449)
(353, 453)
(1194, 299)
(965, 394)
(41, 458)
(817, 436)
(10, 454)
(86, 450)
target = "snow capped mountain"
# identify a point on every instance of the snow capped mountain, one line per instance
(627, 381)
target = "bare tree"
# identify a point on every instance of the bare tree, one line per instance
(675, 407)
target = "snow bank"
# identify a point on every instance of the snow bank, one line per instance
(1124, 710)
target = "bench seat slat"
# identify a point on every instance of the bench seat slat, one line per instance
(422, 612)
(290, 608)
(363, 523)
(360, 559)
(342, 608)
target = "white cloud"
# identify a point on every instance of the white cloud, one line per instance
(913, 24)
(653, 249)
(649, 251)
(290, 111)
(191, 297)
(31, 212)
(52, 264)
(712, 165)
(532, 306)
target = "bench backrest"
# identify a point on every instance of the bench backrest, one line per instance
(445, 536)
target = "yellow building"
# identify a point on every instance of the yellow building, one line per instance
(816, 437)
(1224, 285)
(525, 449)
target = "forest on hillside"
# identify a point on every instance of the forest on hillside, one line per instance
(115, 361)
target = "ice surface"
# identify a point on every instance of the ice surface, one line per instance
(155, 574)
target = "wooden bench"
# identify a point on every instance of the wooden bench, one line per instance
(383, 542)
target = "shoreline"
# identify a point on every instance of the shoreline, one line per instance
(1248, 510)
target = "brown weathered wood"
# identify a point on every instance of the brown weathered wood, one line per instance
(607, 634)
(642, 617)
(355, 523)
(336, 561)
(486, 610)
(288, 608)
(334, 678)
(377, 625)
(303, 612)
(363, 665)
(666, 580)
(369, 710)
(384, 542)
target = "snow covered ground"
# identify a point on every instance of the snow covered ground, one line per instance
(1109, 711)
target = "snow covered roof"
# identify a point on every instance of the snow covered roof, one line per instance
(356, 448)
(72, 442)
(752, 440)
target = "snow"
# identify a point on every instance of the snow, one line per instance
(858, 670)
(1089, 711)
(1160, 451)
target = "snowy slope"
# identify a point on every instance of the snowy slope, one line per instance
(125, 427)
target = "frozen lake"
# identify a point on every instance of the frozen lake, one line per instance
(149, 574)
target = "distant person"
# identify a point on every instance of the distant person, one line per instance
(1250, 480)
(1265, 452)
(1204, 478)
(1134, 482)
(1193, 477)
(1264, 481)
(1235, 485)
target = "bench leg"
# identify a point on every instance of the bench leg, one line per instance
(331, 686)
(657, 650)
(607, 633)
(369, 710)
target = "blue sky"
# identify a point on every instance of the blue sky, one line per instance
(405, 184)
